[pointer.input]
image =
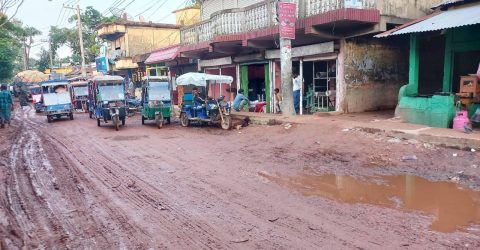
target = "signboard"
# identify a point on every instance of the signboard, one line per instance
(287, 16)
(101, 64)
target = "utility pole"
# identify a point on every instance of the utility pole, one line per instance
(286, 70)
(50, 54)
(80, 37)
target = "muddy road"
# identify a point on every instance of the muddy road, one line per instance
(71, 184)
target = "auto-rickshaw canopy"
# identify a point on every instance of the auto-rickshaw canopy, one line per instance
(201, 79)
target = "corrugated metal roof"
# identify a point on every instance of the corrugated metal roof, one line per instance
(448, 2)
(452, 18)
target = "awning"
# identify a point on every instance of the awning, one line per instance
(452, 18)
(163, 55)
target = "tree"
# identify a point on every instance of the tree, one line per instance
(9, 47)
(5, 6)
(26, 36)
(91, 19)
(43, 61)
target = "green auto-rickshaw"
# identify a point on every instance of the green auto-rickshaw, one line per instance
(156, 100)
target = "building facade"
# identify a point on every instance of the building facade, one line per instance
(344, 68)
(444, 49)
(130, 43)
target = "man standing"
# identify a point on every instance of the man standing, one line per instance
(297, 86)
(6, 105)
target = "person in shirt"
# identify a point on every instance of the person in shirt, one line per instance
(297, 86)
(240, 101)
(6, 105)
(278, 101)
(196, 96)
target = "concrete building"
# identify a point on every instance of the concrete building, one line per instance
(345, 69)
(131, 42)
(444, 54)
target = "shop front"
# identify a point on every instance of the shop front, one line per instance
(221, 66)
(317, 66)
(442, 53)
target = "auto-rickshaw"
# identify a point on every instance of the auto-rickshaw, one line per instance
(56, 100)
(212, 111)
(156, 100)
(35, 95)
(79, 92)
(107, 94)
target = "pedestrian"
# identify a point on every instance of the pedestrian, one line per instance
(240, 101)
(278, 101)
(297, 86)
(6, 105)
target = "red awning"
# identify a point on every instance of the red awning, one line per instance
(163, 55)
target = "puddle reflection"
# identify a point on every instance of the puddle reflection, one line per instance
(452, 206)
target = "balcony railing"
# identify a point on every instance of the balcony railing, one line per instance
(258, 16)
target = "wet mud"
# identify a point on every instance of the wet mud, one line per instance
(73, 185)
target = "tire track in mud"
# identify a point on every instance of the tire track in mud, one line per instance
(144, 197)
(47, 217)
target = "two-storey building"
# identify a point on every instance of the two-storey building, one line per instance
(131, 42)
(343, 66)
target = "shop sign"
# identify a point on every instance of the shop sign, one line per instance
(287, 18)
(101, 64)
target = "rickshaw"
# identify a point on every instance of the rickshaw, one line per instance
(213, 111)
(35, 94)
(156, 100)
(107, 96)
(56, 100)
(79, 92)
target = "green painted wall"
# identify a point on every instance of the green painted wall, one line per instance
(267, 87)
(436, 111)
(244, 79)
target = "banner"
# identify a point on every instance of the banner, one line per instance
(287, 16)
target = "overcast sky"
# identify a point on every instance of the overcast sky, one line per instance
(42, 14)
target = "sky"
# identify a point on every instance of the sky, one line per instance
(42, 14)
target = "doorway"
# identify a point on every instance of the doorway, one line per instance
(254, 81)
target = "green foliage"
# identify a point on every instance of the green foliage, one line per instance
(43, 62)
(9, 47)
(91, 19)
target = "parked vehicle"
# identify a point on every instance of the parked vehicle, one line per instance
(56, 100)
(213, 111)
(107, 94)
(79, 92)
(35, 95)
(156, 100)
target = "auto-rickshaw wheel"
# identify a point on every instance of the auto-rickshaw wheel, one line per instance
(159, 120)
(143, 120)
(98, 122)
(49, 119)
(71, 116)
(227, 122)
(184, 120)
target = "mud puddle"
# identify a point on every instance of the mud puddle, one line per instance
(452, 206)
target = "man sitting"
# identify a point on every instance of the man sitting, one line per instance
(240, 101)
(196, 96)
